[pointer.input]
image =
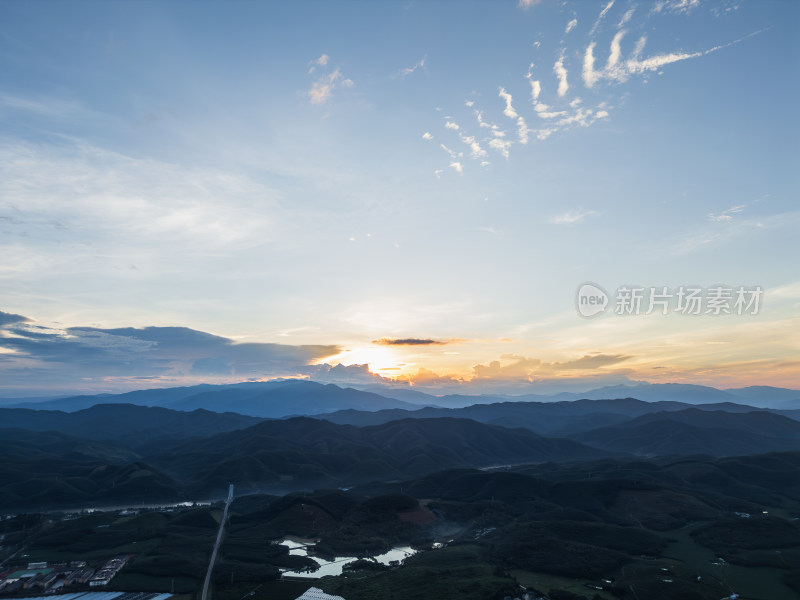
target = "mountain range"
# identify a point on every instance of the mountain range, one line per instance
(115, 450)
(275, 399)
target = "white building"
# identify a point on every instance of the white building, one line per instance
(317, 594)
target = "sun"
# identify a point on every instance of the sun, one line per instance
(380, 360)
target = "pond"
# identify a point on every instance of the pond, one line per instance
(299, 546)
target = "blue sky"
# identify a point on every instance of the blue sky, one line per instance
(325, 175)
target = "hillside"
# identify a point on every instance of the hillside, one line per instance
(126, 424)
(693, 431)
(49, 469)
(304, 452)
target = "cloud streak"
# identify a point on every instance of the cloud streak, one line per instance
(408, 342)
(572, 217)
(323, 87)
(409, 70)
(556, 107)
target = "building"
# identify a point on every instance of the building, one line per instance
(317, 594)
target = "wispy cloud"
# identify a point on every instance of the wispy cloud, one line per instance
(45, 107)
(501, 144)
(322, 61)
(561, 73)
(522, 126)
(619, 71)
(555, 103)
(727, 214)
(600, 18)
(427, 136)
(526, 4)
(675, 6)
(728, 225)
(476, 152)
(119, 199)
(509, 110)
(572, 216)
(408, 342)
(323, 87)
(455, 162)
(626, 17)
(409, 70)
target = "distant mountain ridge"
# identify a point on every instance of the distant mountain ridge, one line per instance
(562, 418)
(271, 399)
(276, 399)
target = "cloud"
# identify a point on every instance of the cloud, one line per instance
(509, 110)
(571, 25)
(526, 4)
(95, 358)
(408, 342)
(322, 89)
(342, 375)
(619, 71)
(522, 130)
(409, 70)
(600, 18)
(552, 97)
(515, 367)
(476, 152)
(483, 124)
(121, 203)
(591, 361)
(453, 155)
(727, 214)
(626, 17)
(10, 319)
(52, 108)
(590, 76)
(522, 126)
(519, 367)
(561, 73)
(500, 144)
(457, 166)
(573, 216)
(536, 90)
(723, 229)
(427, 136)
(675, 6)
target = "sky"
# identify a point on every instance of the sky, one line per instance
(398, 193)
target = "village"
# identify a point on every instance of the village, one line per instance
(43, 577)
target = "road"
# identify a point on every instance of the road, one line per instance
(217, 543)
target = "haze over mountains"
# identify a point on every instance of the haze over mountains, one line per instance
(310, 397)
